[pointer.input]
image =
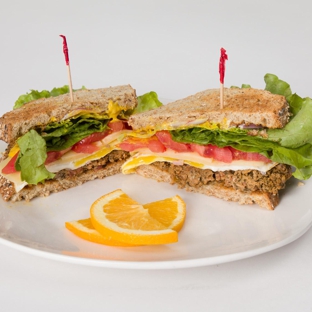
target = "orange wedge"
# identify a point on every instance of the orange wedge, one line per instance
(84, 229)
(118, 217)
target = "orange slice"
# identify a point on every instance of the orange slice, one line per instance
(170, 212)
(84, 229)
(118, 217)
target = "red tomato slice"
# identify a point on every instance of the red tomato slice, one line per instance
(85, 148)
(223, 154)
(118, 125)
(96, 136)
(131, 143)
(165, 138)
(155, 145)
(239, 155)
(52, 156)
(85, 145)
(9, 168)
(55, 155)
(202, 150)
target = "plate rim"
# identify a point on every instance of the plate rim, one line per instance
(157, 265)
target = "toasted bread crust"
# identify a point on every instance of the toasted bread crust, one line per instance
(41, 112)
(263, 199)
(241, 106)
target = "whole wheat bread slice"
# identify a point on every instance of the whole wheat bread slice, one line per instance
(40, 112)
(263, 199)
(241, 106)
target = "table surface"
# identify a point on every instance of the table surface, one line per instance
(171, 47)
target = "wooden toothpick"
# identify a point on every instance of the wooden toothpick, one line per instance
(65, 50)
(221, 95)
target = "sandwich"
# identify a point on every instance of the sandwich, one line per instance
(55, 144)
(245, 152)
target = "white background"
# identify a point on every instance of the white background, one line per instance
(173, 48)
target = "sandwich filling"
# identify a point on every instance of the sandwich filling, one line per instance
(194, 165)
(162, 147)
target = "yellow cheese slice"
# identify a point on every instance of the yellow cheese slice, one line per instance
(145, 157)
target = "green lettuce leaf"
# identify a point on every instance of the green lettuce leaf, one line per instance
(298, 131)
(31, 158)
(244, 86)
(277, 86)
(35, 95)
(300, 157)
(64, 134)
(147, 102)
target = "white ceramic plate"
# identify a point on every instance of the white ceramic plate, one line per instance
(214, 232)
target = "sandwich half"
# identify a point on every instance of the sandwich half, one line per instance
(55, 144)
(238, 153)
